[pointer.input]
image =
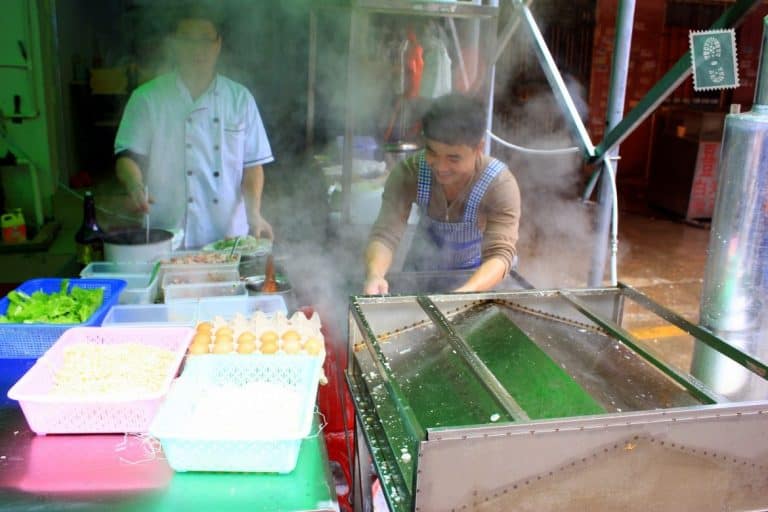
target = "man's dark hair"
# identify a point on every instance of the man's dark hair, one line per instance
(199, 10)
(455, 119)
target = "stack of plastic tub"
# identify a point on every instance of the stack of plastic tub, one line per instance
(193, 275)
(192, 312)
(141, 279)
(179, 286)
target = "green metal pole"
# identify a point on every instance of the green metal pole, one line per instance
(664, 87)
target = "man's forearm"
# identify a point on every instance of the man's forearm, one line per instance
(129, 173)
(489, 274)
(252, 186)
(378, 259)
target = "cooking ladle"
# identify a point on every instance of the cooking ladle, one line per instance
(146, 215)
(234, 247)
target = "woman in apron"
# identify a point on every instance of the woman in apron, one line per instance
(469, 203)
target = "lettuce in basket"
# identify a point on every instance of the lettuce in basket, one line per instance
(59, 307)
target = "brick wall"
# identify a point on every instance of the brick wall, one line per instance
(655, 48)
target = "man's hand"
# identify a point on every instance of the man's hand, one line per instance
(129, 174)
(259, 226)
(376, 286)
(137, 198)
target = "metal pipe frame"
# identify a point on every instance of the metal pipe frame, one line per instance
(747, 361)
(506, 35)
(481, 371)
(383, 460)
(412, 425)
(692, 384)
(664, 87)
(607, 196)
(556, 82)
(311, 79)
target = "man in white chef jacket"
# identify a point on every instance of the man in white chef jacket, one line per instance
(195, 139)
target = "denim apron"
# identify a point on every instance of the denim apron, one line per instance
(441, 245)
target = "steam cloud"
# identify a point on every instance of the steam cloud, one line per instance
(266, 47)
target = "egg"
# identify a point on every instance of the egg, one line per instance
(202, 338)
(269, 336)
(313, 346)
(245, 337)
(291, 346)
(198, 348)
(223, 330)
(223, 348)
(246, 347)
(223, 338)
(291, 335)
(269, 347)
(204, 327)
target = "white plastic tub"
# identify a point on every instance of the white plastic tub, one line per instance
(141, 278)
(194, 292)
(153, 315)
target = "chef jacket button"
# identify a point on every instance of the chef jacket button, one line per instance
(189, 173)
(189, 146)
(216, 174)
(216, 147)
(215, 119)
(190, 200)
(215, 201)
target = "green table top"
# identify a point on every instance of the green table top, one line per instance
(93, 472)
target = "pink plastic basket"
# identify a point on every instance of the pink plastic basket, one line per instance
(49, 413)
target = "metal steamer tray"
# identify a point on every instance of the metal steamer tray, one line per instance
(554, 400)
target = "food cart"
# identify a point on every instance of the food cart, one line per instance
(545, 400)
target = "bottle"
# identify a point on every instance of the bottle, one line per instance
(14, 227)
(89, 239)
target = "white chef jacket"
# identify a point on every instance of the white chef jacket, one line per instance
(196, 151)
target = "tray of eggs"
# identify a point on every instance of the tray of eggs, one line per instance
(259, 335)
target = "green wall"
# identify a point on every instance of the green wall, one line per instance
(34, 81)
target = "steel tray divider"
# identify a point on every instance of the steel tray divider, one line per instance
(692, 384)
(750, 363)
(376, 437)
(481, 371)
(412, 424)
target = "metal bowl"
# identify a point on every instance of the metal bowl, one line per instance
(254, 284)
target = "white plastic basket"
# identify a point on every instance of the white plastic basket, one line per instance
(187, 447)
(49, 413)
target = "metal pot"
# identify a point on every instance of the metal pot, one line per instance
(284, 289)
(132, 245)
(395, 153)
(255, 264)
